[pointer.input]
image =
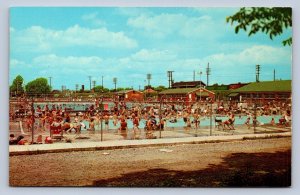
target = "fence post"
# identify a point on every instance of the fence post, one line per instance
(160, 102)
(32, 117)
(210, 126)
(101, 109)
(254, 122)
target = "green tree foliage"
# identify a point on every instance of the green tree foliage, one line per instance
(38, 86)
(272, 21)
(99, 89)
(17, 85)
(120, 89)
(160, 88)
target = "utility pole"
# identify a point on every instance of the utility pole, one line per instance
(102, 83)
(94, 84)
(257, 72)
(208, 70)
(90, 78)
(274, 75)
(194, 76)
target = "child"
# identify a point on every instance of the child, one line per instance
(248, 122)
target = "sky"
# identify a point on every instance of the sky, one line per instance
(69, 44)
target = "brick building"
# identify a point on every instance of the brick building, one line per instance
(186, 94)
(130, 95)
(188, 84)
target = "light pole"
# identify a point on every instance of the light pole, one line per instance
(200, 85)
(50, 78)
(149, 77)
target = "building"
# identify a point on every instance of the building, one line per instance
(280, 90)
(187, 84)
(236, 85)
(221, 91)
(130, 95)
(186, 94)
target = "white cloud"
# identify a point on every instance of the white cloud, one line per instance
(16, 63)
(258, 54)
(67, 63)
(90, 16)
(93, 19)
(166, 24)
(238, 66)
(39, 39)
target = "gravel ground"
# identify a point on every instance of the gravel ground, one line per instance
(262, 162)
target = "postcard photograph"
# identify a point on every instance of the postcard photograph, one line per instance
(150, 96)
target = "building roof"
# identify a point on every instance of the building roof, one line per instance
(150, 91)
(187, 91)
(217, 87)
(178, 91)
(126, 91)
(233, 94)
(267, 86)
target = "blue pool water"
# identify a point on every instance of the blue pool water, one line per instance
(76, 106)
(204, 122)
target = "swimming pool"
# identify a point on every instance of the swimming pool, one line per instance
(79, 106)
(204, 122)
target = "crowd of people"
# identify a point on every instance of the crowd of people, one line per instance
(154, 116)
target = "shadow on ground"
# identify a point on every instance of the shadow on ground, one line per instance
(236, 170)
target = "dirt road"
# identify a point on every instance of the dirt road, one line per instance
(263, 162)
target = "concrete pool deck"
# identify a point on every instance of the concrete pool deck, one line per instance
(169, 137)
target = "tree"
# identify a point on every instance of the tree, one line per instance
(100, 88)
(120, 89)
(160, 88)
(38, 86)
(272, 21)
(17, 85)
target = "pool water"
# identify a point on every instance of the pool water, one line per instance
(204, 122)
(78, 106)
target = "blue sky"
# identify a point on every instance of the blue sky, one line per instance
(70, 44)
